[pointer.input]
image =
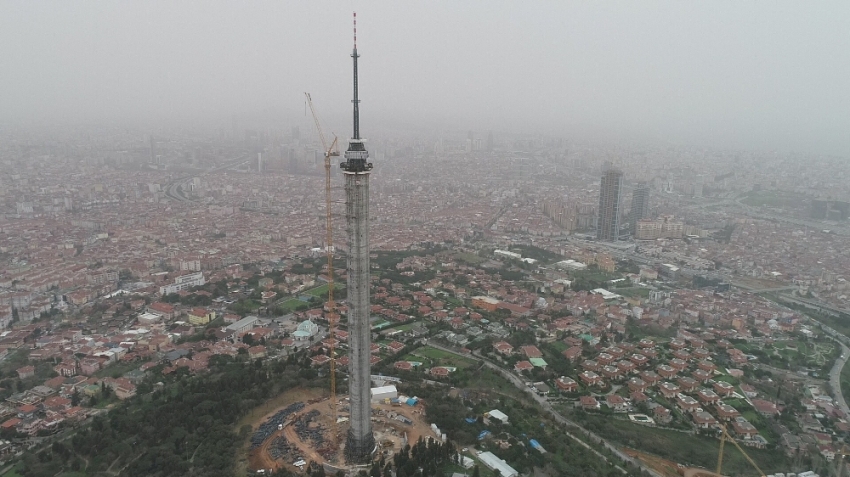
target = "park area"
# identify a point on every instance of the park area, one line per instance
(435, 357)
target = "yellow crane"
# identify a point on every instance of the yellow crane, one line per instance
(839, 460)
(330, 151)
(723, 437)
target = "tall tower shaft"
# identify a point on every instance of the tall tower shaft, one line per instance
(640, 205)
(360, 442)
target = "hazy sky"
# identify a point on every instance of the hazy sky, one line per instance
(739, 74)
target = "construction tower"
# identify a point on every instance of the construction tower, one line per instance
(360, 442)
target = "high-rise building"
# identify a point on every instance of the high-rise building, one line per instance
(153, 149)
(360, 442)
(608, 220)
(640, 205)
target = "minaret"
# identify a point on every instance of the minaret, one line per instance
(360, 443)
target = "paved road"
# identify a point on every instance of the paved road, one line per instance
(544, 403)
(835, 378)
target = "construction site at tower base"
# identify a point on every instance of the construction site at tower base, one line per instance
(300, 432)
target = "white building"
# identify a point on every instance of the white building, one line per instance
(499, 415)
(149, 318)
(497, 465)
(384, 392)
(505, 253)
(243, 325)
(571, 265)
(183, 282)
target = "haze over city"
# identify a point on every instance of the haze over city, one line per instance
(474, 239)
(752, 75)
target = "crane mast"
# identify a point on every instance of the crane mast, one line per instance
(330, 151)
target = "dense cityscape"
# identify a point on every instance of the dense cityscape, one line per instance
(596, 267)
(128, 259)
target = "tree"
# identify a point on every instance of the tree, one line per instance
(476, 472)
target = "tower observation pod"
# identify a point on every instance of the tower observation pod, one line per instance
(360, 441)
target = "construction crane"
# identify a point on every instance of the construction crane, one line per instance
(330, 151)
(839, 460)
(723, 437)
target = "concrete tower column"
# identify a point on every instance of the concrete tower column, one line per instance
(360, 442)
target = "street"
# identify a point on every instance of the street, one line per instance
(544, 403)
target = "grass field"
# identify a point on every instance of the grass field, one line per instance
(559, 346)
(406, 326)
(685, 448)
(439, 357)
(470, 258)
(291, 304)
(322, 291)
(633, 291)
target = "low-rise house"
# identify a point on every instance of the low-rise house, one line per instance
(744, 428)
(666, 372)
(531, 351)
(589, 403)
(678, 364)
(395, 347)
(704, 420)
(611, 372)
(749, 391)
(523, 366)
(707, 366)
(590, 365)
(638, 397)
(566, 384)
(638, 359)
(573, 354)
(637, 385)
(26, 372)
(605, 359)
(707, 396)
(662, 415)
(686, 403)
(590, 378)
(723, 388)
(701, 375)
(687, 384)
(668, 389)
(616, 402)
(650, 377)
(726, 412)
(541, 388)
(626, 367)
(765, 408)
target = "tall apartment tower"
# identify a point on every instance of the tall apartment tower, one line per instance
(608, 220)
(360, 442)
(640, 205)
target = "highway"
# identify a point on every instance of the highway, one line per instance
(174, 189)
(544, 403)
(835, 379)
(835, 372)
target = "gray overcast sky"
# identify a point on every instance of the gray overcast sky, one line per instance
(740, 74)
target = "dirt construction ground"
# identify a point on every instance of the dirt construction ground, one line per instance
(309, 432)
(665, 467)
